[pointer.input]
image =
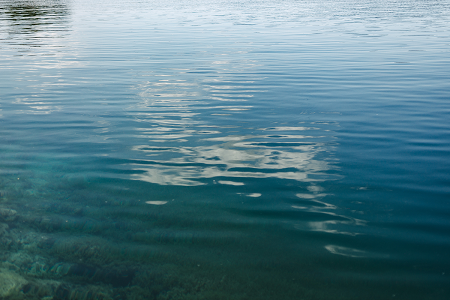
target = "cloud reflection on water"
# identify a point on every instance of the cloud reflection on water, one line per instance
(205, 129)
(200, 132)
(231, 156)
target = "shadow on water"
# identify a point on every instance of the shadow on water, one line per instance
(33, 39)
(30, 22)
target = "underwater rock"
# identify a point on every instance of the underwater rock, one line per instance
(38, 269)
(40, 289)
(5, 238)
(113, 276)
(55, 290)
(62, 292)
(21, 261)
(27, 240)
(68, 292)
(11, 283)
(3, 228)
(46, 242)
(7, 214)
(64, 222)
(8, 240)
(60, 269)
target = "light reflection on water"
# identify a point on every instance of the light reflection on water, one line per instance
(216, 149)
(239, 158)
(172, 111)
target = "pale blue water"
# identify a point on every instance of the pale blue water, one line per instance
(224, 149)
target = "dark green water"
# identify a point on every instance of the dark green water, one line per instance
(224, 149)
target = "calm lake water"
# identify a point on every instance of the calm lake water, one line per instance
(213, 149)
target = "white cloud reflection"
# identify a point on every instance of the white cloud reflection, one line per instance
(345, 251)
(188, 139)
(232, 156)
(332, 221)
(201, 125)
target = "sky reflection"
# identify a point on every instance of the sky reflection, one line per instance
(233, 156)
(191, 137)
(36, 29)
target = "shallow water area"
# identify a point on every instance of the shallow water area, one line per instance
(224, 149)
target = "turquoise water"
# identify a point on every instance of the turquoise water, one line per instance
(224, 149)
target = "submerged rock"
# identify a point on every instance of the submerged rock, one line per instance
(10, 283)
(7, 214)
(3, 228)
(5, 238)
(57, 290)
(116, 277)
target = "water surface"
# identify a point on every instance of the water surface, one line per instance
(224, 149)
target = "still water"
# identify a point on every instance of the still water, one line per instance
(214, 149)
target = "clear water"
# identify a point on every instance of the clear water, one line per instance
(225, 149)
